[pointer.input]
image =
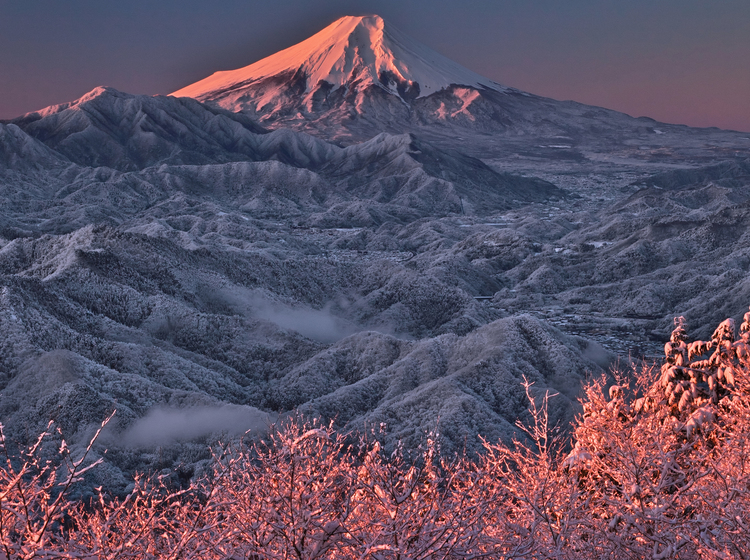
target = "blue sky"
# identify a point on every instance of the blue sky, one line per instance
(682, 61)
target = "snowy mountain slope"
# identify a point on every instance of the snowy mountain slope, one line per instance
(359, 77)
(387, 156)
(352, 53)
(127, 132)
(133, 153)
(409, 260)
(67, 198)
(103, 318)
(21, 152)
(733, 173)
(109, 128)
(219, 284)
(457, 385)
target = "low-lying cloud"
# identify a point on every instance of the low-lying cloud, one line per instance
(317, 324)
(321, 325)
(164, 426)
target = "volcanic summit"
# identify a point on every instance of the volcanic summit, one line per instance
(354, 53)
(361, 76)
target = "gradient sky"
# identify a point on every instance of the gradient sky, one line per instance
(679, 61)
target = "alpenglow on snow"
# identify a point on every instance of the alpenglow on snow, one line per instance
(353, 52)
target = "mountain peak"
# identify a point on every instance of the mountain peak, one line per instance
(353, 52)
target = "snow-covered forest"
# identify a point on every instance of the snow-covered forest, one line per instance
(656, 467)
(396, 312)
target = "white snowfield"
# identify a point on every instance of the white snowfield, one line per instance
(352, 52)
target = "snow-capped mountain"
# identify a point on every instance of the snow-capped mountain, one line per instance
(436, 239)
(353, 53)
(360, 76)
(354, 79)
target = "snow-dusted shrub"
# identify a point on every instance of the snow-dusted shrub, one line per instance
(661, 463)
(700, 375)
(34, 494)
(289, 496)
(532, 509)
(651, 473)
(423, 509)
(648, 474)
(306, 493)
(152, 521)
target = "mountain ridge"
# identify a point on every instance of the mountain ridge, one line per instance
(390, 262)
(360, 76)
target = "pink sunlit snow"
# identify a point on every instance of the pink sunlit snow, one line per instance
(353, 52)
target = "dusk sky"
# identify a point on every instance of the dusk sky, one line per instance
(678, 61)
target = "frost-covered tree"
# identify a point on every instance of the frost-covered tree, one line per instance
(661, 463)
(34, 502)
(648, 473)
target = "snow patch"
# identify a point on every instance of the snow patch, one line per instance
(441, 112)
(467, 97)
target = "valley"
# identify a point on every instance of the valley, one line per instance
(349, 246)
